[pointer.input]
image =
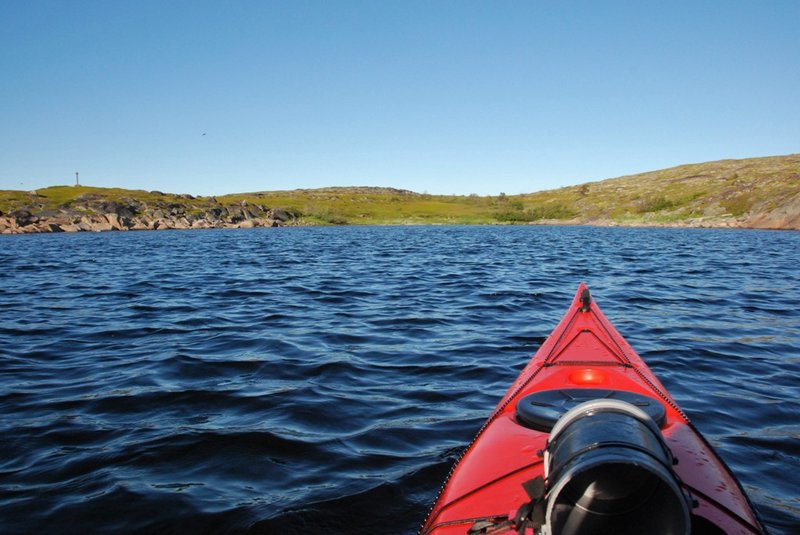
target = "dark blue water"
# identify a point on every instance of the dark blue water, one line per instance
(323, 380)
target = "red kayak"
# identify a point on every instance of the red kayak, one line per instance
(588, 441)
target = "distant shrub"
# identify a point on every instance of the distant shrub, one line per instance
(325, 215)
(508, 215)
(552, 211)
(738, 205)
(549, 211)
(332, 217)
(655, 204)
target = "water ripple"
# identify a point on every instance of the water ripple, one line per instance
(295, 380)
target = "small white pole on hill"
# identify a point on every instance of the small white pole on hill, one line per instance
(77, 183)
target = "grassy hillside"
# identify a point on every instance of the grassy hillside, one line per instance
(760, 192)
(369, 206)
(742, 190)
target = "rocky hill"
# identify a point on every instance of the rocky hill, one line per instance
(748, 193)
(75, 209)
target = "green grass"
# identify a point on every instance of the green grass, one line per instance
(723, 189)
(56, 197)
(367, 206)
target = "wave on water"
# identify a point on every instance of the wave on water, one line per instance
(299, 379)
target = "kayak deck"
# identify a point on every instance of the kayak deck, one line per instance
(586, 353)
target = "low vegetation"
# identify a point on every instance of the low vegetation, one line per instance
(757, 192)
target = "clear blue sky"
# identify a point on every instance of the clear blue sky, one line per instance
(446, 97)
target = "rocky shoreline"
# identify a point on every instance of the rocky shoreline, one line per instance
(95, 213)
(123, 217)
(781, 219)
(757, 194)
(24, 222)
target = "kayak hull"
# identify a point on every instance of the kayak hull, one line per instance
(585, 353)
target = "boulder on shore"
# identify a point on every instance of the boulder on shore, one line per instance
(115, 222)
(23, 217)
(93, 212)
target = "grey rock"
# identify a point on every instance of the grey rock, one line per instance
(280, 214)
(24, 217)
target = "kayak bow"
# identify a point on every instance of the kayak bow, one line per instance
(587, 440)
